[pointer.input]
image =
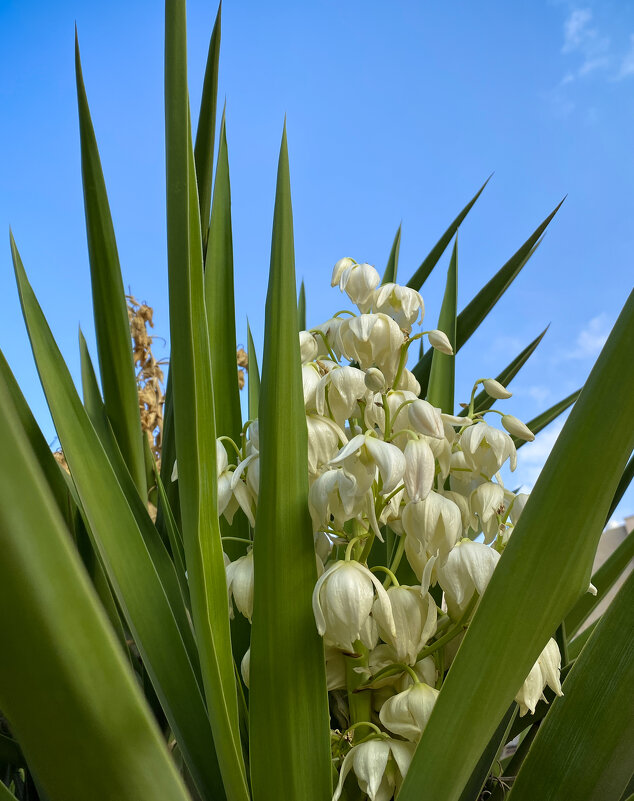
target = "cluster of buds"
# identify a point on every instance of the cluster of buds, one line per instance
(400, 489)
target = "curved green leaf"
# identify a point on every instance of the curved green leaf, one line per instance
(93, 736)
(389, 276)
(474, 786)
(206, 130)
(483, 400)
(290, 735)
(195, 430)
(442, 377)
(220, 303)
(133, 557)
(544, 569)
(546, 418)
(584, 748)
(110, 311)
(421, 275)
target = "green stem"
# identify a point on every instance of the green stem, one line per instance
(453, 632)
(359, 701)
(390, 575)
(396, 560)
(349, 548)
(237, 539)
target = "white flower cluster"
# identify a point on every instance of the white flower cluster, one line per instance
(397, 488)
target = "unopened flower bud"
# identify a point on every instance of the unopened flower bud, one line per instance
(240, 584)
(245, 665)
(440, 341)
(495, 390)
(425, 419)
(517, 428)
(374, 380)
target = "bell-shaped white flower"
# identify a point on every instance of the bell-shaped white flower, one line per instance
(342, 603)
(495, 390)
(545, 672)
(379, 765)
(323, 440)
(387, 458)
(486, 448)
(358, 281)
(334, 492)
(516, 506)
(408, 382)
(401, 303)
(467, 569)
(487, 502)
(330, 332)
(517, 428)
(414, 615)
(407, 713)
(339, 392)
(469, 520)
(434, 521)
(308, 347)
(339, 267)
(240, 583)
(440, 341)
(310, 381)
(372, 340)
(420, 469)
(425, 418)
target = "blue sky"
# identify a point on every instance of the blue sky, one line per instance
(395, 113)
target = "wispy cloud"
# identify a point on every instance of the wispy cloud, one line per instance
(592, 338)
(627, 63)
(583, 39)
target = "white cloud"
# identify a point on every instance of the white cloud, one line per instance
(576, 29)
(592, 338)
(627, 64)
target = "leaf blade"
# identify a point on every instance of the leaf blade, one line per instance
(290, 749)
(442, 376)
(391, 269)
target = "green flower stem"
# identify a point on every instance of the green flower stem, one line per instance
(402, 362)
(237, 539)
(392, 670)
(316, 331)
(388, 422)
(473, 394)
(396, 560)
(349, 548)
(344, 311)
(224, 438)
(367, 548)
(453, 632)
(390, 575)
(359, 700)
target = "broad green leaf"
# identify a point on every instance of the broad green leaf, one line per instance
(253, 386)
(38, 443)
(131, 556)
(474, 786)
(220, 303)
(421, 275)
(206, 131)
(484, 401)
(108, 297)
(544, 569)
(546, 418)
(513, 765)
(290, 736)
(195, 430)
(442, 377)
(175, 539)
(301, 308)
(93, 736)
(624, 483)
(389, 276)
(583, 749)
(603, 579)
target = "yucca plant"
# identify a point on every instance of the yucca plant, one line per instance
(179, 656)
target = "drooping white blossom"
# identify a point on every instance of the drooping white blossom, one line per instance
(406, 713)
(379, 765)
